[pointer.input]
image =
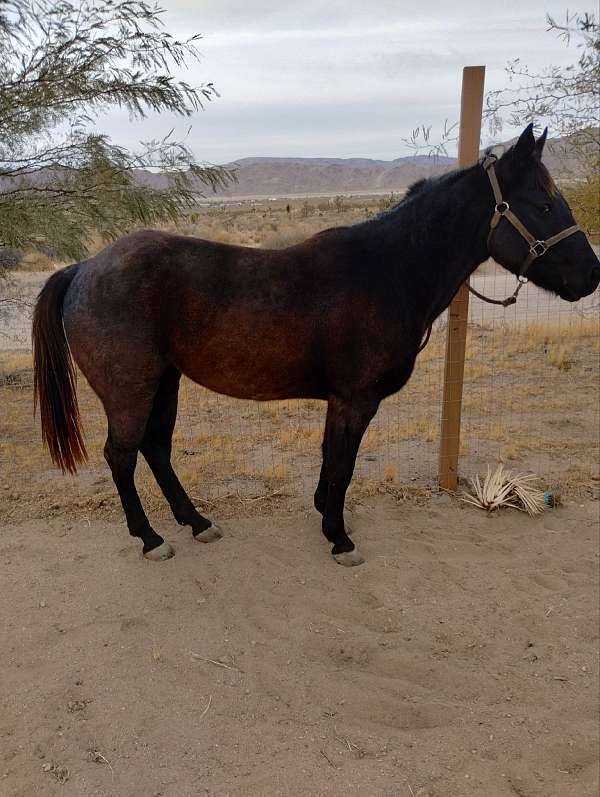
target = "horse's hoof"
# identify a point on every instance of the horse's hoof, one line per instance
(349, 558)
(210, 534)
(160, 553)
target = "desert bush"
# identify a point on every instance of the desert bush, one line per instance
(306, 210)
(9, 258)
(584, 199)
(339, 204)
(387, 202)
(285, 236)
(37, 261)
(62, 64)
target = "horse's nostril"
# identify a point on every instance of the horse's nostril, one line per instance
(595, 275)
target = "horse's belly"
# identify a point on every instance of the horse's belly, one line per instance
(255, 370)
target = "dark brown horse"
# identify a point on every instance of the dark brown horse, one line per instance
(339, 317)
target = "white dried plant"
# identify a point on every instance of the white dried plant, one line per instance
(505, 488)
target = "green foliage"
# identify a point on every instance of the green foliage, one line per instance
(567, 99)
(564, 98)
(61, 64)
(584, 200)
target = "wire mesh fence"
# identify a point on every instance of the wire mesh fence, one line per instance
(530, 400)
(531, 382)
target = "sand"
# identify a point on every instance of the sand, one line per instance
(461, 659)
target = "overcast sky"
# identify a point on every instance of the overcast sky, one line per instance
(341, 78)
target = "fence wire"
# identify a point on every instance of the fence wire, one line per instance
(530, 400)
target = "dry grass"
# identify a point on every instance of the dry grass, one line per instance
(302, 437)
(16, 368)
(511, 452)
(390, 473)
(418, 428)
(254, 457)
(277, 472)
(249, 223)
(38, 261)
(503, 488)
(561, 357)
(530, 398)
(268, 224)
(286, 235)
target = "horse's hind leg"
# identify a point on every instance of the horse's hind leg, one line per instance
(126, 427)
(156, 448)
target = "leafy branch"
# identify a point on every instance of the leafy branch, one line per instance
(62, 64)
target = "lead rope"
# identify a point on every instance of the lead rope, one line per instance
(504, 302)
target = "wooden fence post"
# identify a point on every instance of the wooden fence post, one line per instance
(471, 106)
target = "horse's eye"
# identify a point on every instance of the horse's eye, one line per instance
(547, 208)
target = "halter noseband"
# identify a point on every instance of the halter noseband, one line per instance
(536, 247)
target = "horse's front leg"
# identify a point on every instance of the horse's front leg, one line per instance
(320, 498)
(347, 421)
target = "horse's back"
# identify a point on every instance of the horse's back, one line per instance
(250, 323)
(229, 317)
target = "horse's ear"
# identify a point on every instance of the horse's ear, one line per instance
(525, 146)
(539, 144)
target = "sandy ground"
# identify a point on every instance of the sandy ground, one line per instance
(461, 659)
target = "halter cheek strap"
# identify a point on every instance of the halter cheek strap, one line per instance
(537, 247)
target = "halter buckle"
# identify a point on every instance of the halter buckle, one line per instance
(489, 160)
(502, 207)
(538, 248)
(523, 280)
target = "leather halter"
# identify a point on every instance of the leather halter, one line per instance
(537, 247)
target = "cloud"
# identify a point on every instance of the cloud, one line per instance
(340, 78)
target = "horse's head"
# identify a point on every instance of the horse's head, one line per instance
(568, 267)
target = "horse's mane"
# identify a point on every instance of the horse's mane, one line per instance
(414, 188)
(543, 178)
(427, 185)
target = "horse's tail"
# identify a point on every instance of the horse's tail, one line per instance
(54, 375)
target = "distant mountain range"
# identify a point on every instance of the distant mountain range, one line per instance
(281, 177)
(286, 176)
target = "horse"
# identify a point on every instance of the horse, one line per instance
(339, 318)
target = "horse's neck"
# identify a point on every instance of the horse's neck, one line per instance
(437, 239)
